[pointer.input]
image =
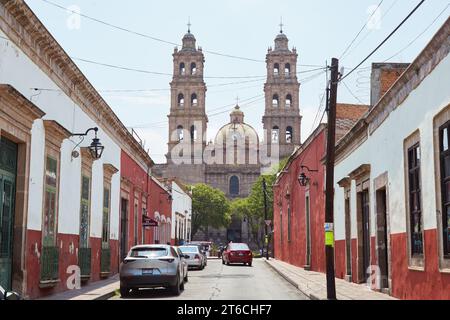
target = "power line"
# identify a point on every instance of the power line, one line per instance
(421, 34)
(370, 31)
(354, 96)
(385, 40)
(140, 34)
(360, 31)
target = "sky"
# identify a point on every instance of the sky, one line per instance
(320, 30)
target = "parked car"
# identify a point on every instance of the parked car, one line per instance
(9, 295)
(205, 246)
(237, 253)
(153, 266)
(196, 258)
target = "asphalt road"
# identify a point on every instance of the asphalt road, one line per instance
(234, 282)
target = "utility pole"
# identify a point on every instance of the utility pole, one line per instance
(329, 214)
(266, 236)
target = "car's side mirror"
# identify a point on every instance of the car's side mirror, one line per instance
(186, 256)
(11, 295)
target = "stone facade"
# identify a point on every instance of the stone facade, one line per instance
(231, 162)
(282, 118)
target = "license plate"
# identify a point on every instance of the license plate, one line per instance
(147, 271)
(241, 254)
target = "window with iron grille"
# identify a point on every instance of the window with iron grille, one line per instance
(106, 210)
(415, 202)
(84, 211)
(444, 135)
(51, 178)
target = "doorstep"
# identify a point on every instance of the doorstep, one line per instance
(98, 290)
(313, 284)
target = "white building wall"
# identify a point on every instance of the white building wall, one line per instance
(19, 71)
(383, 150)
(181, 202)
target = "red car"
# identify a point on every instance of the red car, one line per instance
(237, 253)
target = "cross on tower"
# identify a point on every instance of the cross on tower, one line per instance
(281, 25)
(237, 100)
(189, 25)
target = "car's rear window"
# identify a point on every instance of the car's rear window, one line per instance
(148, 252)
(193, 249)
(239, 246)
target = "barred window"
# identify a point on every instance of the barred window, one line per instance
(415, 205)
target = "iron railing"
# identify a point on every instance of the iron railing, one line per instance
(105, 260)
(49, 263)
(84, 261)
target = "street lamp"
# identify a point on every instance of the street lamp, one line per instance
(95, 149)
(303, 180)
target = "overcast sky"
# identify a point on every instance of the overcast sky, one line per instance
(319, 29)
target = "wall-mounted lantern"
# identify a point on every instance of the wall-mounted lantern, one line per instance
(95, 149)
(303, 180)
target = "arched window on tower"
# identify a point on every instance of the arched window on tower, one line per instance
(288, 101)
(180, 133)
(289, 134)
(275, 101)
(276, 69)
(181, 100)
(182, 69)
(234, 186)
(193, 68)
(275, 134)
(287, 70)
(194, 100)
(193, 133)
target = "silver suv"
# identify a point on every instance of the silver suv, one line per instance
(153, 266)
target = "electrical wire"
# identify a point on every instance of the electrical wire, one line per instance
(140, 34)
(420, 34)
(385, 40)
(360, 31)
(354, 96)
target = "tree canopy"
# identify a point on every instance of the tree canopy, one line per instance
(210, 208)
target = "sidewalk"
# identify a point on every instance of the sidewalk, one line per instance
(99, 290)
(313, 284)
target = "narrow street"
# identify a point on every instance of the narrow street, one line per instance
(235, 282)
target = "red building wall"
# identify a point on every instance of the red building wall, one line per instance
(288, 192)
(160, 202)
(137, 183)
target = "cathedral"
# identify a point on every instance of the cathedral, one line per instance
(234, 160)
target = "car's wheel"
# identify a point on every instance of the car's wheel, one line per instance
(176, 289)
(249, 264)
(186, 279)
(228, 263)
(223, 261)
(124, 292)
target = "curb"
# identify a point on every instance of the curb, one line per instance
(292, 282)
(107, 295)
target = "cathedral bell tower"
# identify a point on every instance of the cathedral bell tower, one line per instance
(187, 118)
(282, 120)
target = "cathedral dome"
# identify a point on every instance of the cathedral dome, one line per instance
(237, 129)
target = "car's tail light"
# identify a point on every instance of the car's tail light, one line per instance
(249, 253)
(197, 257)
(170, 260)
(232, 253)
(128, 261)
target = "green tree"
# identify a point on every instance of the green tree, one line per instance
(255, 201)
(210, 208)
